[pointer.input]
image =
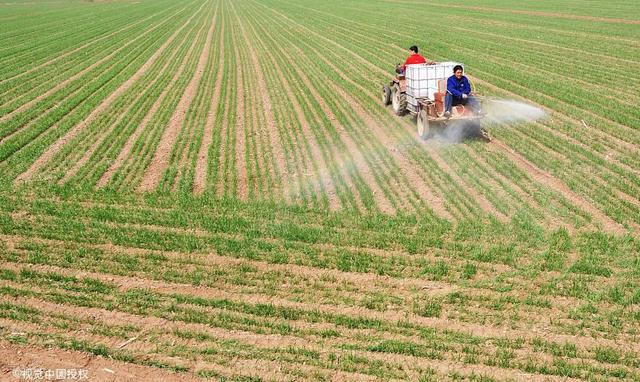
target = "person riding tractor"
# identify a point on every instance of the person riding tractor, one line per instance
(459, 93)
(414, 58)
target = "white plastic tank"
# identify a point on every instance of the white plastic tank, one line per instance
(422, 79)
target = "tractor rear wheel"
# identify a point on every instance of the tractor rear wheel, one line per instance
(386, 95)
(398, 101)
(479, 131)
(422, 121)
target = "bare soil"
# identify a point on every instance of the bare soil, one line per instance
(13, 356)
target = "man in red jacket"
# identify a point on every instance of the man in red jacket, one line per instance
(414, 58)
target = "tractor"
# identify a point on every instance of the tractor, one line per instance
(421, 91)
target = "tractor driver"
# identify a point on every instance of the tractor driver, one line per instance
(414, 58)
(459, 92)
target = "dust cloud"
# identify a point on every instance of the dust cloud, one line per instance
(505, 111)
(499, 113)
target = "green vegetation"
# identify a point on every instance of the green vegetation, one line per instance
(213, 188)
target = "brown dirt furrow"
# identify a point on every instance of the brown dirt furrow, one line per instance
(160, 160)
(150, 324)
(495, 373)
(241, 130)
(78, 330)
(14, 356)
(147, 353)
(155, 326)
(183, 164)
(128, 146)
(608, 224)
(147, 324)
(222, 155)
(202, 164)
(142, 349)
(357, 281)
(127, 283)
(97, 142)
(74, 131)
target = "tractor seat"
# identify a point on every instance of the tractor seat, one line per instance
(439, 95)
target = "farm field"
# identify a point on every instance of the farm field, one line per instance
(212, 189)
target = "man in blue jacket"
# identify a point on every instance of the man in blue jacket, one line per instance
(459, 92)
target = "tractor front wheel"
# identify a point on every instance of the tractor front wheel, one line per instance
(422, 121)
(398, 101)
(386, 95)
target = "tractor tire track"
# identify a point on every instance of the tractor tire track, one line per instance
(322, 173)
(241, 132)
(202, 163)
(160, 161)
(279, 158)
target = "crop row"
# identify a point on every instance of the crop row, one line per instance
(33, 84)
(122, 68)
(343, 39)
(411, 337)
(371, 104)
(45, 43)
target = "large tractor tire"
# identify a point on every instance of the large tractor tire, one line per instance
(398, 101)
(422, 122)
(386, 95)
